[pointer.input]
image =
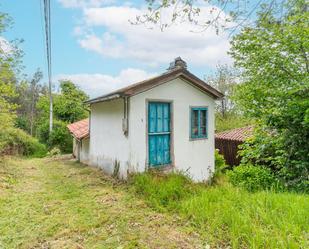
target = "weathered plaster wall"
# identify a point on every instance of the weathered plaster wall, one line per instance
(193, 156)
(84, 150)
(108, 145)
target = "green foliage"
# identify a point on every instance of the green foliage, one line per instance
(60, 136)
(275, 91)
(29, 92)
(220, 165)
(16, 142)
(253, 178)
(274, 150)
(54, 152)
(69, 104)
(224, 80)
(231, 121)
(161, 190)
(68, 107)
(227, 216)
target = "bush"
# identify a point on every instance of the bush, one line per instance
(219, 163)
(14, 141)
(273, 149)
(162, 190)
(60, 136)
(54, 152)
(253, 178)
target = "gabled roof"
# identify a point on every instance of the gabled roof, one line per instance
(238, 134)
(80, 129)
(177, 72)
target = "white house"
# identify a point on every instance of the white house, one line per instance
(166, 122)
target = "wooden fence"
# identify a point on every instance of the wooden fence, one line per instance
(228, 148)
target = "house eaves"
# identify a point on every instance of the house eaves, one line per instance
(146, 85)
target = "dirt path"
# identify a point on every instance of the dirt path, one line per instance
(61, 204)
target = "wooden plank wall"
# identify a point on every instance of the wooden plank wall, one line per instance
(228, 148)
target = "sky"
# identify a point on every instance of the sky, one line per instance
(95, 45)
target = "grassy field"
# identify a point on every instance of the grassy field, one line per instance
(48, 203)
(61, 204)
(229, 217)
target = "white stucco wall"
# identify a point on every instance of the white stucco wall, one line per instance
(193, 156)
(108, 145)
(84, 150)
(81, 149)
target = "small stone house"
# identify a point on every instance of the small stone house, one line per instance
(166, 122)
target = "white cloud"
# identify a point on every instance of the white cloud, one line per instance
(99, 84)
(85, 3)
(5, 46)
(120, 39)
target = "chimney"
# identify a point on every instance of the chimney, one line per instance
(177, 64)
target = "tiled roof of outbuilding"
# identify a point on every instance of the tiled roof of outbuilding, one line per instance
(79, 129)
(238, 134)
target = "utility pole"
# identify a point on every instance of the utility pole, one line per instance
(48, 50)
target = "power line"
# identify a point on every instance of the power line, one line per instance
(49, 64)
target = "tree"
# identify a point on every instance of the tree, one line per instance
(220, 14)
(9, 66)
(273, 57)
(29, 92)
(68, 107)
(224, 80)
(228, 115)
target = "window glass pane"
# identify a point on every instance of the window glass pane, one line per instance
(194, 121)
(203, 117)
(203, 120)
(203, 132)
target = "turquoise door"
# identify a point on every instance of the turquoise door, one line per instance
(159, 133)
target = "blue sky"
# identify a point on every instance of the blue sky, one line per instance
(94, 45)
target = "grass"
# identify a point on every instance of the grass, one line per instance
(230, 217)
(49, 203)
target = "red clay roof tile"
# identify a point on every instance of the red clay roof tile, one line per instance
(79, 129)
(238, 134)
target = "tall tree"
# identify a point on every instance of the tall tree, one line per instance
(29, 92)
(274, 60)
(224, 80)
(68, 107)
(9, 67)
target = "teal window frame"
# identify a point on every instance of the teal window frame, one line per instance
(200, 134)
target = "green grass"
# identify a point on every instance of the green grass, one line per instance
(48, 203)
(51, 203)
(227, 216)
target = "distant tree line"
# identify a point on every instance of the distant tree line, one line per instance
(24, 105)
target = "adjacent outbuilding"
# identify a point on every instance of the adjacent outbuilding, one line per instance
(227, 143)
(166, 122)
(80, 133)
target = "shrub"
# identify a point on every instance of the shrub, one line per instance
(162, 190)
(253, 178)
(60, 136)
(219, 163)
(14, 141)
(54, 152)
(272, 149)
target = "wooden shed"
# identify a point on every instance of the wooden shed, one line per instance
(227, 143)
